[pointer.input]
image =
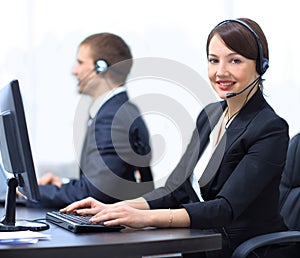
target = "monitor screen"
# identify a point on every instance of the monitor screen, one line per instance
(16, 157)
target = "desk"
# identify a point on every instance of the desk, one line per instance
(127, 243)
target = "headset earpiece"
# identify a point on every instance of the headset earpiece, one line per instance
(262, 63)
(101, 66)
(264, 66)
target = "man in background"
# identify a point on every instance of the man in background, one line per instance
(116, 154)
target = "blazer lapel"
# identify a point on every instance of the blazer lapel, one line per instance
(214, 163)
(232, 133)
(213, 113)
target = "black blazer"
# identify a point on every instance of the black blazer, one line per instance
(116, 145)
(242, 193)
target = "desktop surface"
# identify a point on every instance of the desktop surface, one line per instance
(126, 243)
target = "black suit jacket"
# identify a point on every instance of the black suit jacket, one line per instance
(241, 195)
(116, 145)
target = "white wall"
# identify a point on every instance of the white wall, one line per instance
(39, 40)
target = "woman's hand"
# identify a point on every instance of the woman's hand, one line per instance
(110, 214)
(87, 206)
(121, 214)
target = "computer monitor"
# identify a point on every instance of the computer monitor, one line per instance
(16, 158)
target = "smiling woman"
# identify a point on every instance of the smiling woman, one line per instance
(228, 70)
(38, 49)
(228, 179)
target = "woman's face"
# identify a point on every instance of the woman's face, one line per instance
(228, 71)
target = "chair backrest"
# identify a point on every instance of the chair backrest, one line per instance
(290, 186)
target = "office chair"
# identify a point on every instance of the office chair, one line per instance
(289, 207)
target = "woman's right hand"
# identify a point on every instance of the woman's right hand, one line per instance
(87, 206)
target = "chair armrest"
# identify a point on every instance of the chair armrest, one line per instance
(263, 240)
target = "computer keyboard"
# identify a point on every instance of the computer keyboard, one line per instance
(78, 223)
(76, 218)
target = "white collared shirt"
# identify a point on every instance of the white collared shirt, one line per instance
(205, 157)
(99, 102)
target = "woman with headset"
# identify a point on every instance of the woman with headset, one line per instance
(228, 179)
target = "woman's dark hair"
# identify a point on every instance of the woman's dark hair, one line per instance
(240, 39)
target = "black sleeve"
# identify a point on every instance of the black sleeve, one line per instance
(209, 214)
(55, 197)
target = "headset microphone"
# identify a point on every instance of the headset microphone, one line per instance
(101, 67)
(85, 77)
(230, 95)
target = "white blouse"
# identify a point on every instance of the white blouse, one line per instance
(214, 136)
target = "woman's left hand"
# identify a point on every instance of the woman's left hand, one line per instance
(123, 215)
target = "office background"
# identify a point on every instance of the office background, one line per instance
(39, 40)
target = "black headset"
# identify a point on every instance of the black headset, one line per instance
(101, 66)
(262, 63)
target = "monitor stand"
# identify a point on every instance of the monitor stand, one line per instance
(8, 222)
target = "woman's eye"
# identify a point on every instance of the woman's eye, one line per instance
(236, 61)
(212, 60)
